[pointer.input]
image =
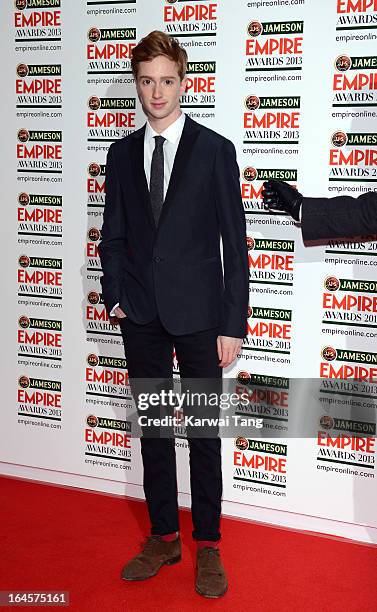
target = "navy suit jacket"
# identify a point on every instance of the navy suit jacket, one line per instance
(175, 271)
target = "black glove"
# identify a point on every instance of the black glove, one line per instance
(279, 196)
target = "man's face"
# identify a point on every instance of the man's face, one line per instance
(159, 87)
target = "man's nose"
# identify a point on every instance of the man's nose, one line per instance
(157, 91)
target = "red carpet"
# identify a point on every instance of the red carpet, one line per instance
(54, 538)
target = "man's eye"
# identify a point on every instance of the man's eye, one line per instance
(168, 82)
(146, 81)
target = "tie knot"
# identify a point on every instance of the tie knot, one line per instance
(159, 141)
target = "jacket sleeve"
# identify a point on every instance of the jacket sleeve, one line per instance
(340, 217)
(232, 224)
(112, 248)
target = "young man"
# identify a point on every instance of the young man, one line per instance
(323, 218)
(172, 189)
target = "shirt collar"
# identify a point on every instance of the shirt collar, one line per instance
(172, 133)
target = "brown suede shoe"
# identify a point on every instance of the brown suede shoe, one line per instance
(210, 574)
(154, 555)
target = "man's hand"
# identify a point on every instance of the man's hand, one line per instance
(279, 196)
(227, 349)
(119, 314)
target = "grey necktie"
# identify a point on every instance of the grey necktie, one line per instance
(156, 186)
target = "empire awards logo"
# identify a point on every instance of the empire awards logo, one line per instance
(109, 119)
(190, 19)
(96, 189)
(274, 45)
(37, 20)
(39, 86)
(355, 81)
(356, 14)
(109, 50)
(272, 120)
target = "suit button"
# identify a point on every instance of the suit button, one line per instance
(157, 259)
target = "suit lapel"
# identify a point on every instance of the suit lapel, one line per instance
(189, 134)
(137, 155)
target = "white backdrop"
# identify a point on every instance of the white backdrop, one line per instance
(266, 75)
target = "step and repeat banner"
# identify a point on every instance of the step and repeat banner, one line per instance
(293, 83)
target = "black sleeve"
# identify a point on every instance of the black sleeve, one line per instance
(339, 217)
(112, 248)
(232, 223)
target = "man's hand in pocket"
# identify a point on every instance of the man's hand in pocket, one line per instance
(119, 314)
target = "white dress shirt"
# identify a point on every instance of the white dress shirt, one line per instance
(173, 135)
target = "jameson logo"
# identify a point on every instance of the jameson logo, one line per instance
(265, 244)
(26, 199)
(40, 262)
(358, 62)
(95, 298)
(110, 118)
(107, 376)
(40, 338)
(201, 85)
(356, 14)
(39, 85)
(267, 463)
(254, 102)
(357, 365)
(201, 68)
(272, 120)
(40, 398)
(108, 438)
(355, 164)
(109, 50)
(269, 330)
(328, 422)
(95, 35)
(95, 103)
(40, 277)
(269, 173)
(252, 186)
(274, 45)
(194, 19)
(255, 28)
(332, 283)
(106, 423)
(270, 261)
(40, 136)
(341, 139)
(40, 215)
(35, 70)
(248, 378)
(33, 323)
(35, 4)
